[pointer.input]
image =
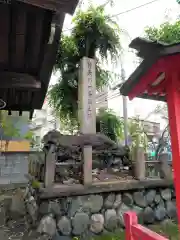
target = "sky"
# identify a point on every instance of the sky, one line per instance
(133, 24)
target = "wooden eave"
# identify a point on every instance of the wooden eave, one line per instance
(67, 6)
(29, 39)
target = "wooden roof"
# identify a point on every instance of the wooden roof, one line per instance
(29, 37)
(148, 79)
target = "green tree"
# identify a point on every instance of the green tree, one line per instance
(137, 133)
(8, 128)
(29, 136)
(94, 35)
(167, 33)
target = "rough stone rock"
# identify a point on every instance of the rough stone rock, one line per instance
(162, 203)
(80, 223)
(118, 201)
(59, 237)
(75, 206)
(109, 201)
(152, 205)
(160, 213)
(96, 203)
(17, 205)
(171, 209)
(157, 199)
(64, 225)
(5, 206)
(139, 212)
(97, 223)
(166, 194)
(92, 203)
(3, 235)
(148, 215)
(150, 196)
(111, 220)
(120, 213)
(173, 193)
(127, 199)
(140, 199)
(65, 204)
(44, 208)
(55, 208)
(47, 225)
(3, 216)
(44, 237)
(32, 209)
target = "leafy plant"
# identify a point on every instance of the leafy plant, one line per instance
(30, 137)
(94, 35)
(137, 133)
(110, 124)
(167, 33)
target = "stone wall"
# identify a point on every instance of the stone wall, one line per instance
(98, 213)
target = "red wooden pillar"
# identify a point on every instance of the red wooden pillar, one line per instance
(173, 101)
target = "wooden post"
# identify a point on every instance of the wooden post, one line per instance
(139, 163)
(136, 231)
(130, 219)
(50, 166)
(173, 101)
(87, 111)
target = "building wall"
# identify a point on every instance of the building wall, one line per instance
(42, 122)
(13, 167)
(13, 146)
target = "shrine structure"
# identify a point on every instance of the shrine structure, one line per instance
(158, 78)
(30, 31)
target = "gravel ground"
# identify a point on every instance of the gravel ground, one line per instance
(15, 230)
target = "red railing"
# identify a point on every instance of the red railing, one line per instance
(135, 231)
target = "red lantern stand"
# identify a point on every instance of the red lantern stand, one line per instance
(158, 78)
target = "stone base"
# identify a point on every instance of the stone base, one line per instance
(99, 213)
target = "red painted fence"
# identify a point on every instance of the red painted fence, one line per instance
(135, 231)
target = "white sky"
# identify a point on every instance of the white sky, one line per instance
(134, 23)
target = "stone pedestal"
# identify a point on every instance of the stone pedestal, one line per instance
(139, 163)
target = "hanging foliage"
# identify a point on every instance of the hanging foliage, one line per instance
(137, 133)
(94, 35)
(108, 123)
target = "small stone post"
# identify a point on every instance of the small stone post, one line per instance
(50, 166)
(139, 163)
(87, 111)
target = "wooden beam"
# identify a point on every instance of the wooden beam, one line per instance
(49, 61)
(36, 25)
(17, 38)
(173, 102)
(63, 190)
(18, 80)
(50, 166)
(147, 79)
(157, 89)
(66, 6)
